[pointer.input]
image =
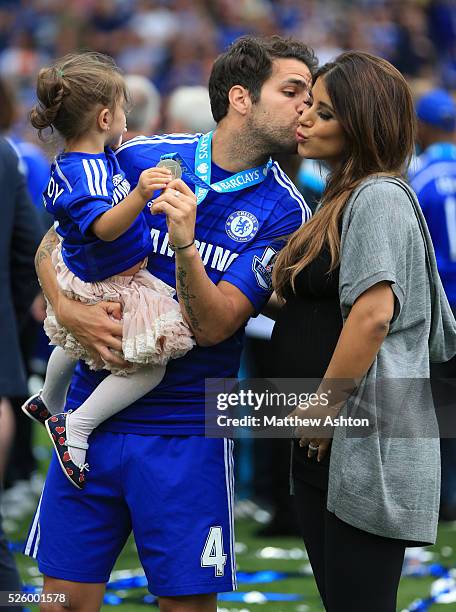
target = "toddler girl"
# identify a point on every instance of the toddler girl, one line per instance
(103, 252)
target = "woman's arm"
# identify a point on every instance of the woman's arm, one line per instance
(91, 325)
(364, 331)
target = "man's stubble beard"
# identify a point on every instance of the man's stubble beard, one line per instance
(269, 140)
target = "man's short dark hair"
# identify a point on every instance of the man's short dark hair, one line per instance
(248, 62)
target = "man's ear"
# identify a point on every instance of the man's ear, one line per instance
(104, 119)
(239, 99)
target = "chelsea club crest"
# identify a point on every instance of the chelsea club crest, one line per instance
(241, 226)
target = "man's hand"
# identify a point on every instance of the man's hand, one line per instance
(94, 327)
(178, 203)
(214, 312)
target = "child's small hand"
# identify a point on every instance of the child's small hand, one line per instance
(152, 180)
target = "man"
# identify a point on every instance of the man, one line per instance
(19, 235)
(152, 469)
(434, 181)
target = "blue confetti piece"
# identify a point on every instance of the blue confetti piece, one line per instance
(261, 577)
(133, 582)
(112, 600)
(420, 606)
(16, 547)
(437, 570)
(262, 597)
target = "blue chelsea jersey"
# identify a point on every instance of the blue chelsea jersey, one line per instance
(82, 187)
(434, 181)
(237, 236)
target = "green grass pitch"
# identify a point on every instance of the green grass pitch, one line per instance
(247, 560)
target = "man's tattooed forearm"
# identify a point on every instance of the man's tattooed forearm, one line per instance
(45, 249)
(186, 297)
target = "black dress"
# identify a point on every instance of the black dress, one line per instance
(303, 341)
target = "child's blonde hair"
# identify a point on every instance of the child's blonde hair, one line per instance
(73, 90)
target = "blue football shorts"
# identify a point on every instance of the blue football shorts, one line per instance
(174, 493)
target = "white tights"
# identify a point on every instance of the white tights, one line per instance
(111, 396)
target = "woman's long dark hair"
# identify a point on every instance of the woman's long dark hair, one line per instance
(374, 106)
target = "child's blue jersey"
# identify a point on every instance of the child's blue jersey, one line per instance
(81, 188)
(434, 182)
(237, 235)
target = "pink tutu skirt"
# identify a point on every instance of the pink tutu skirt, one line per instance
(154, 330)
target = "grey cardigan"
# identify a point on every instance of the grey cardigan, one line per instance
(388, 482)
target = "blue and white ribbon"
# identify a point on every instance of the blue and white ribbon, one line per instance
(201, 176)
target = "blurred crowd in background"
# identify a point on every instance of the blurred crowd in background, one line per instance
(174, 42)
(167, 47)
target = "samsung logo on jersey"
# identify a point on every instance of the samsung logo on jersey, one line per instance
(216, 257)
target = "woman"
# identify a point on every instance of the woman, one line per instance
(363, 307)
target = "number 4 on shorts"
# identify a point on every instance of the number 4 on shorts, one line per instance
(213, 555)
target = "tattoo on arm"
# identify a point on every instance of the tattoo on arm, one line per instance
(186, 297)
(46, 247)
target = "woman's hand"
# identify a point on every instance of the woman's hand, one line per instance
(317, 436)
(178, 203)
(272, 308)
(322, 444)
(94, 327)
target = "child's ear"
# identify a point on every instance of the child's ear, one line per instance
(104, 120)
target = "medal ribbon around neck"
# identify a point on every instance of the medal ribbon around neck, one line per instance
(201, 177)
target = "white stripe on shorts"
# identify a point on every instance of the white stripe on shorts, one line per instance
(31, 546)
(233, 552)
(228, 456)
